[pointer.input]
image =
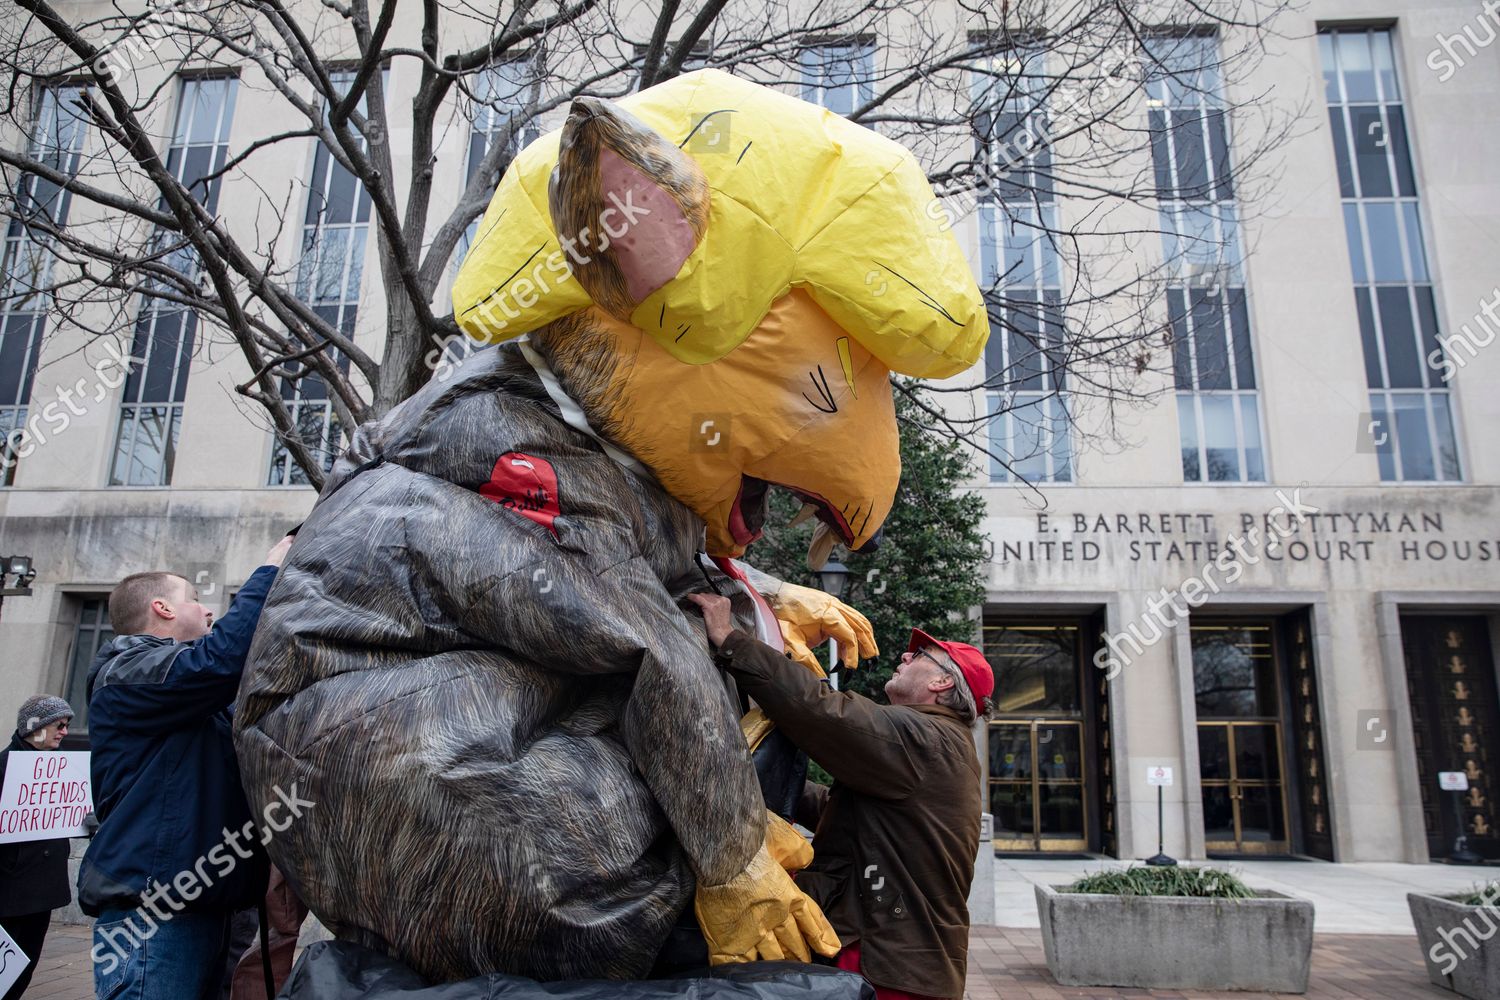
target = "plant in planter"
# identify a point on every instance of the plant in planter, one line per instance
(1207, 883)
(1458, 939)
(1175, 928)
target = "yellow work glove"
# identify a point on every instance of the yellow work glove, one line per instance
(761, 916)
(809, 617)
(755, 726)
(799, 650)
(788, 848)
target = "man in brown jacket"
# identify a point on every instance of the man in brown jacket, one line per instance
(896, 839)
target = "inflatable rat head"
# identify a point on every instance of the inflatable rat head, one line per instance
(724, 277)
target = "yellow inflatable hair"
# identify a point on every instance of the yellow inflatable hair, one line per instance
(741, 195)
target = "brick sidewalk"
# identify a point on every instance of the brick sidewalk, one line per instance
(1008, 964)
(64, 972)
(1004, 964)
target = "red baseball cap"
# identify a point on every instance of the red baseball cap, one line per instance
(975, 668)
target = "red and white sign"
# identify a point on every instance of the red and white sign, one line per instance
(13, 962)
(1453, 781)
(46, 795)
(1159, 776)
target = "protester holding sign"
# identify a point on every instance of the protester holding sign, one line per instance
(34, 873)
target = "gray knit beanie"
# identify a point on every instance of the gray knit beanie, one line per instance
(41, 710)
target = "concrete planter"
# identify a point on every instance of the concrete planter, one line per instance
(1170, 942)
(1459, 944)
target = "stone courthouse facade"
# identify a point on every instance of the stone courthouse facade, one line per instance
(1279, 578)
(1291, 574)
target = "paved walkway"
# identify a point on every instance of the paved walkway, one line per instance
(1365, 946)
(1004, 964)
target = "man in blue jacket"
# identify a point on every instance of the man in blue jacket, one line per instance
(177, 851)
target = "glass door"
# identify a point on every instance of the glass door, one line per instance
(1037, 786)
(1236, 680)
(1039, 775)
(1242, 787)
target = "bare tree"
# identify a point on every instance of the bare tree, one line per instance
(1037, 123)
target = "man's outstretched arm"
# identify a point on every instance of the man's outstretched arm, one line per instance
(864, 745)
(203, 676)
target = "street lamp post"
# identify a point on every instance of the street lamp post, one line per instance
(20, 570)
(832, 576)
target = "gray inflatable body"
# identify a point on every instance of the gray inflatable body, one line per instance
(475, 665)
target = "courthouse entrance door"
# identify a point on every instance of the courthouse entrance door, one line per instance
(1243, 797)
(1241, 743)
(1037, 786)
(1050, 786)
(1450, 678)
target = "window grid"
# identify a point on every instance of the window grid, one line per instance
(329, 276)
(26, 263)
(1217, 397)
(1024, 376)
(162, 349)
(92, 632)
(500, 93)
(20, 344)
(838, 75)
(1392, 283)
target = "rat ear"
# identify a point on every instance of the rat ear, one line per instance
(628, 206)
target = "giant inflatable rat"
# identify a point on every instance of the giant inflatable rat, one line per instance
(476, 662)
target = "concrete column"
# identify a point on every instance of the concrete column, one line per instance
(982, 890)
(1190, 779)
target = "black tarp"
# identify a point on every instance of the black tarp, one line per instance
(338, 970)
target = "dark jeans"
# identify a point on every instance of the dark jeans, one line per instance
(28, 931)
(137, 957)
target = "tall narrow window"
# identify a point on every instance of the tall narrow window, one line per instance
(502, 92)
(839, 74)
(1218, 405)
(26, 266)
(1411, 422)
(93, 631)
(335, 227)
(151, 413)
(1022, 273)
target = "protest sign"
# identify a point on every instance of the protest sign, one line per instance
(46, 795)
(13, 962)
